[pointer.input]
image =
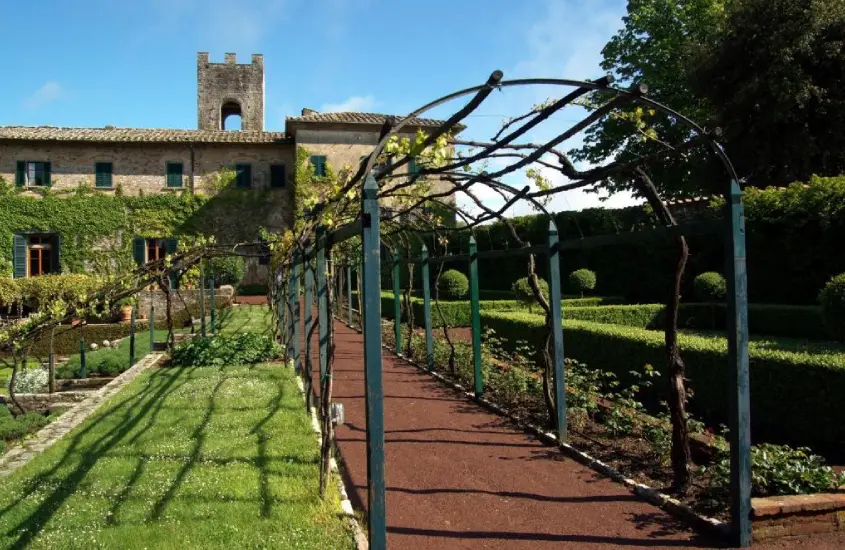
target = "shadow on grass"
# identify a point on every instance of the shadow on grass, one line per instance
(147, 400)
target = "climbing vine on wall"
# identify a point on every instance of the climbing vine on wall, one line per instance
(97, 228)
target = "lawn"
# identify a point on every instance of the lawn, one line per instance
(204, 457)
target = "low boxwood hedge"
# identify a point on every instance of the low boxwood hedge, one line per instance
(763, 319)
(796, 394)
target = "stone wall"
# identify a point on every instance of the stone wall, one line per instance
(191, 299)
(138, 167)
(230, 83)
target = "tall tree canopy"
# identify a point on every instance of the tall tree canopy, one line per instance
(658, 43)
(776, 80)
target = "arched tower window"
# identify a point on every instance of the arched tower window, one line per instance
(230, 116)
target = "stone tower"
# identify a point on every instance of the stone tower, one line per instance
(225, 89)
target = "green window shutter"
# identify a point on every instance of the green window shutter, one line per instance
(19, 255)
(103, 177)
(47, 173)
(139, 250)
(244, 175)
(57, 253)
(277, 175)
(413, 168)
(170, 246)
(319, 163)
(20, 173)
(174, 174)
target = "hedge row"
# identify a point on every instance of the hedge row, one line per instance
(768, 319)
(796, 397)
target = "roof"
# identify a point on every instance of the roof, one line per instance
(361, 118)
(111, 134)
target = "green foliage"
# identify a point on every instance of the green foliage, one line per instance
(525, 294)
(710, 287)
(227, 270)
(778, 470)
(832, 299)
(581, 281)
(12, 428)
(226, 349)
(786, 90)
(453, 285)
(31, 380)
(793, 384)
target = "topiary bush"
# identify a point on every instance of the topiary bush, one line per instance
(523, 292)
(227, 270)
(453, 285)
(710, 287)
(832, 299)
(582, 280)
(226, 349)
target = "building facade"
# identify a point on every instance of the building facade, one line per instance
(142, 161)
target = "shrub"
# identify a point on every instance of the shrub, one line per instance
(524, 293)
(582, 280)
(792, 384)
(226, 349)
(710, 287)
(16, 428)
(453, 285)
(832, 298)
(778, 470)
(227, 270)
(31, 380)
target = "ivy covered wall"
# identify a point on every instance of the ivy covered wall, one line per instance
(97, 228)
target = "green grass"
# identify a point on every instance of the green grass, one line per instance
(109, 361)
(200, 457)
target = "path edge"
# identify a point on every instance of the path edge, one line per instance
(346, 507)
(49, 435)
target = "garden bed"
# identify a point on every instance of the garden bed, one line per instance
(636, 444)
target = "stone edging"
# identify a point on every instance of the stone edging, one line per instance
(780, 516)
(345, 504)
(661, 500)
(18, 456)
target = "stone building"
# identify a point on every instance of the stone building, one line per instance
(134, 161)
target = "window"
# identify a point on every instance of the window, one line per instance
(277, 175)
(32, 174)
(156, 250)
(174, 174)
(413, 167)
(149, 250)
(243, 176)
(34, 255)
(103, 174)
(319, 163)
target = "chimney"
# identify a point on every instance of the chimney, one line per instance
(306, 111)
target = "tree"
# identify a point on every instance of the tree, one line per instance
(656, 46)
(776, 81)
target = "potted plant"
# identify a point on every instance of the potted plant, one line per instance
(126, 305)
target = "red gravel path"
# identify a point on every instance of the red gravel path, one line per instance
(461, 477)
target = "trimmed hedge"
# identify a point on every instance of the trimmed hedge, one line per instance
(796, 396)
(763, 319)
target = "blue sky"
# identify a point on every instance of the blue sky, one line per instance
(133, 64)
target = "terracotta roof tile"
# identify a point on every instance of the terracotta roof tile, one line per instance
(359, 118)
(112, 134)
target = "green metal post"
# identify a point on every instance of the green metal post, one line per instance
(557, 332)
(202, 302)
(324, 316)
(349, 295)
(374, 395)
(297, 316)
(132, 336)
(212, 304)
(475, 310)
(309, 323)
(737, 322)
(397, 305)
(290, 306)
(152, 323)
(83, 367)
(429, 339)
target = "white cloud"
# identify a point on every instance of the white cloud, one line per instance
(48, 93)
(357, 104)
